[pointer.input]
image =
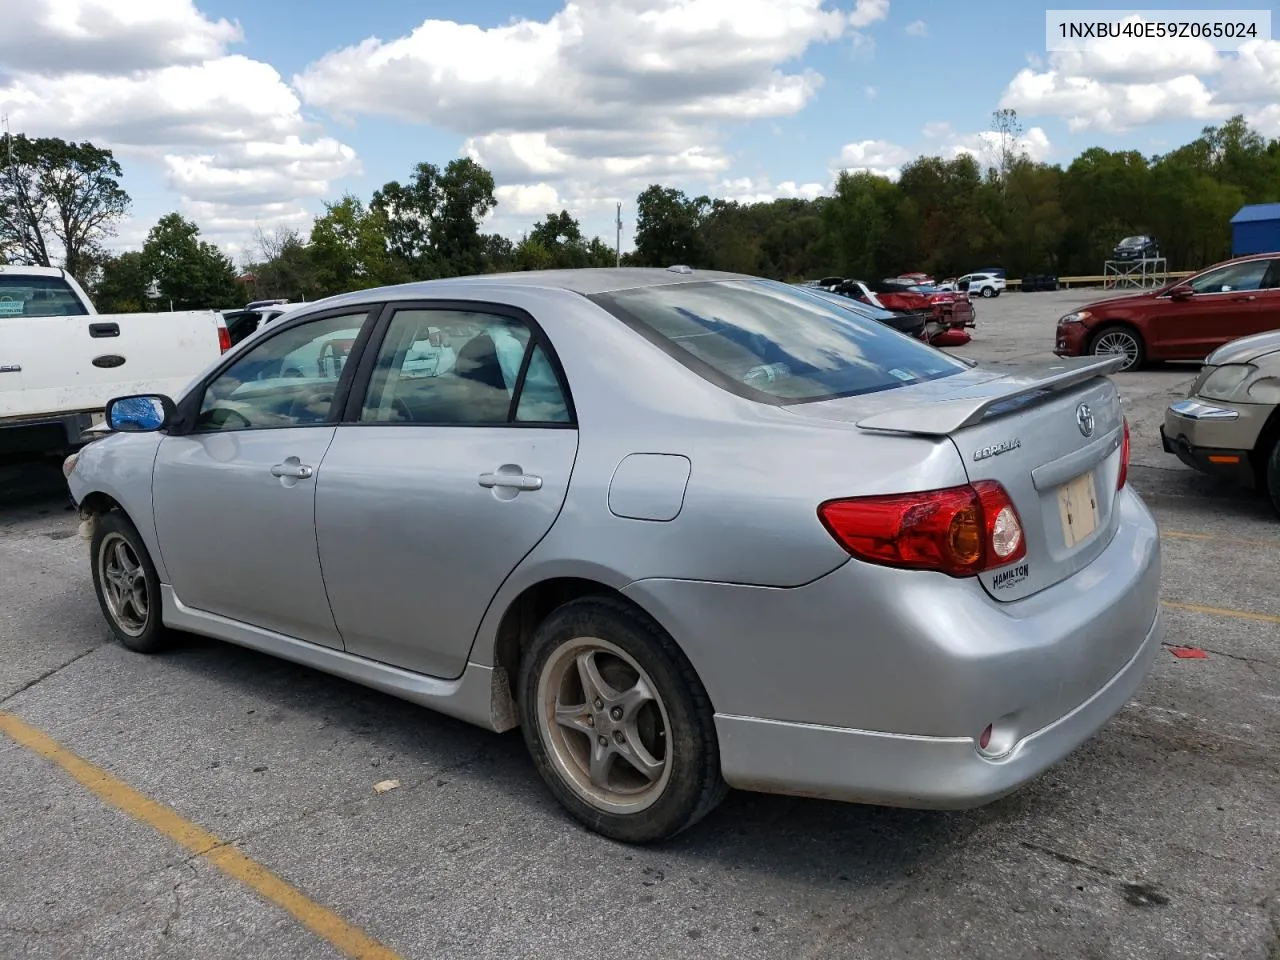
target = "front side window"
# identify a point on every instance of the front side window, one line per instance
(462, 367)
(288, 380)
(38, 297)
(767, 342)
(1236, 276)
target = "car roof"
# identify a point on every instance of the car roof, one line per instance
(586, 281)
(22, 270)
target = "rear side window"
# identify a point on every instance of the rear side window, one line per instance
(38, 297)
(768, 342)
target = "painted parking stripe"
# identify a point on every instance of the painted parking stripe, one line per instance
(1222, 612)
(1216, 538)
(200, 842)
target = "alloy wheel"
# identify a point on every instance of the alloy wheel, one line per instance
(1118, 343)
(124, 584)
(605, 726)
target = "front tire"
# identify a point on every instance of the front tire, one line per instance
(127, 585)
(1271, 476)
(1119, 341)
(618, 724)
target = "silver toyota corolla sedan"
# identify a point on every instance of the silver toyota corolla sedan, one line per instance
(688, 531)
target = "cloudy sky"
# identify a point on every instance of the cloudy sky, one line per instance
(250, 113)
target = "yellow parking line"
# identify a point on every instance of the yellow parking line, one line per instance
(1242, 541)
(1220, 612)
(320, 920)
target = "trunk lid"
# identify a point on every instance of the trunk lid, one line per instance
(1050, 433)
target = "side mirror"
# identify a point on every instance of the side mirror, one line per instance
(139, 414)
(1182, 291)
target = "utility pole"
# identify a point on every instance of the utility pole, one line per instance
(617, 248)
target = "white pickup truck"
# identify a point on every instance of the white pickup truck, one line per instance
(61, 361)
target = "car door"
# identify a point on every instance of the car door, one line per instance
(444, 474)
(234, 485)
(1268, 313)
(1223, 307)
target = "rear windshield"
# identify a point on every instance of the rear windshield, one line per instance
(38, 297)
(769, 342)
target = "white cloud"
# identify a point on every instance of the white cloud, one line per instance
(886, 159)
(762, 190)
(1117, 84)
(599, 100)
(153, 80)
(870, 93)
(109, 36)
(917, 28)
(874, 156)
(867, 12)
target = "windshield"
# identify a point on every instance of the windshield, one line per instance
(38, 297)
(769, 342)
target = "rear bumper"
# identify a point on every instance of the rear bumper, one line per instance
(47, 434)
(873, 684)
(923, 772)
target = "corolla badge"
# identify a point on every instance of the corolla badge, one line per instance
(1084, 420)
(1004, 446)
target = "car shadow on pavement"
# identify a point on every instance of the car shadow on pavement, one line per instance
(820, 844)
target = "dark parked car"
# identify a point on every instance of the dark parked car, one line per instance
(1140, 247)
(1038, 283)
(1186, 320)
(912, 324)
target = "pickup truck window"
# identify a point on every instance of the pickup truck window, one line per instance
(38, 297)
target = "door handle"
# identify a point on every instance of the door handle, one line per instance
(1244, 299)
(295, 470)
(514, 481)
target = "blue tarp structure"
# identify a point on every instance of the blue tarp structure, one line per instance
(1256, 229)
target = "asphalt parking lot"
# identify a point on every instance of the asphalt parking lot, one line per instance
(1158, 839)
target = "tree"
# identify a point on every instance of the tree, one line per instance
(191, 273)
(667, 225)
(123, 285)
(349, 249)
(284, 267)
(466, 198)
(856, 225)
(58, 197)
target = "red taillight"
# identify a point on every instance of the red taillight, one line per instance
(224, 339)
(1124, 456)
(960, 531)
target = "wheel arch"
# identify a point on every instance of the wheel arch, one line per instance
(1267, 438)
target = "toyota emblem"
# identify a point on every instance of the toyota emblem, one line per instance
(1084, 419)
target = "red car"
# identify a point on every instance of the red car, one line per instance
(1186, 320)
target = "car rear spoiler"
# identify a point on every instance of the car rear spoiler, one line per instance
(945, 417)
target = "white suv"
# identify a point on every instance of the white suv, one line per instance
(987, 284)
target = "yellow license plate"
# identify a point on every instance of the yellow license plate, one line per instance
(1078, 509)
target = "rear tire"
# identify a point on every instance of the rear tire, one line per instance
(988, 292)
(127, 585)
(1116, 341)
(617, 723)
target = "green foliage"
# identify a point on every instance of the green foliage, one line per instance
(123, 285)
(190, 273)
(57, 198)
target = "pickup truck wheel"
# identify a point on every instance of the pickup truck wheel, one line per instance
(127, 584)
(618, 723)
(1119, 341)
